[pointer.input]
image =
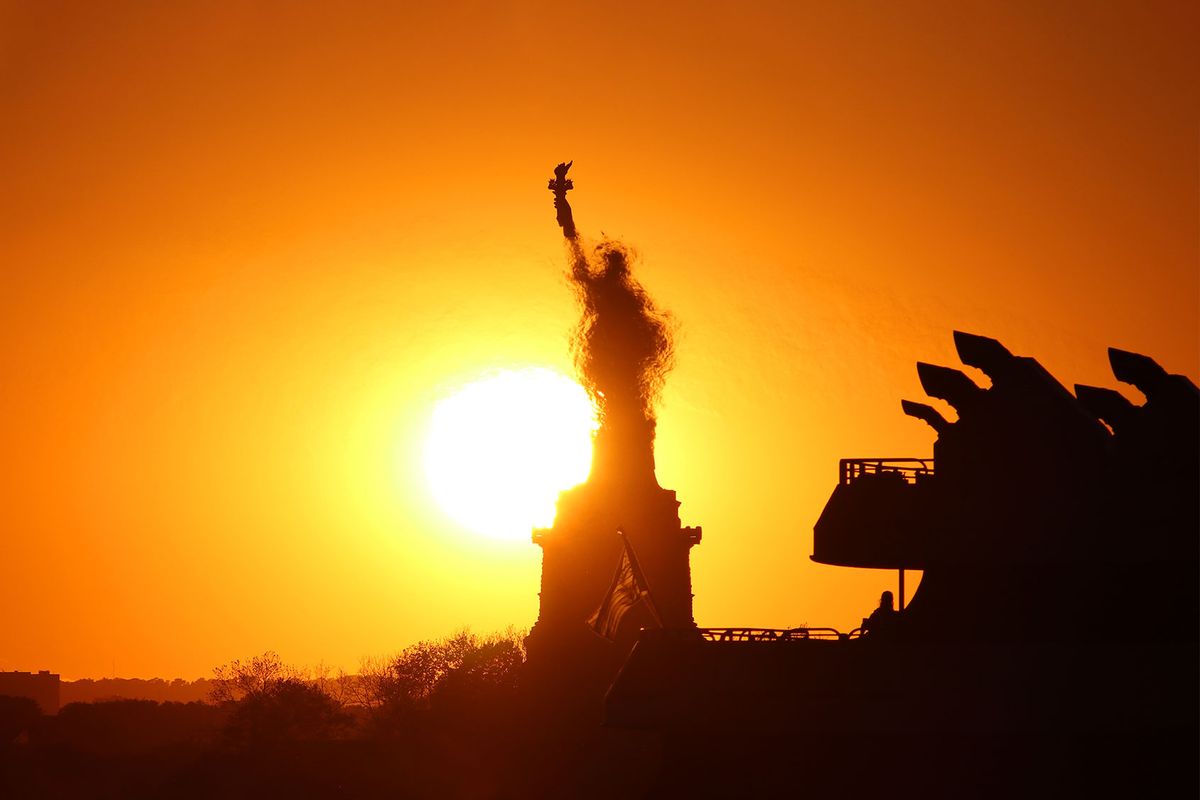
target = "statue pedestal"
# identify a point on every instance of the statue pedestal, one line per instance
(580, 554)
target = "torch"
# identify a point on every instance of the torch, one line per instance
(560, 184)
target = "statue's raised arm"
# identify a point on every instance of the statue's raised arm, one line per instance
(560, 184)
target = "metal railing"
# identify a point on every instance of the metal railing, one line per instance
(776, 634)
(910, 470)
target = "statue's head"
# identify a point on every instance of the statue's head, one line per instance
(615, 260)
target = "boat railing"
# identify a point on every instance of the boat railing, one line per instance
(776, 634)
(911, 470)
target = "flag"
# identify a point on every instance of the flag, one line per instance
(628, 590)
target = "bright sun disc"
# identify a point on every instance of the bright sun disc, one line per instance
(501, 449)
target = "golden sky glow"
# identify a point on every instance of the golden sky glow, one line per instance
(247, 248)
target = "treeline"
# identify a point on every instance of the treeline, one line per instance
(88, 690)
(269, 701)
(442, 718)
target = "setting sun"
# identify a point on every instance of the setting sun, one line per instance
(501, 449)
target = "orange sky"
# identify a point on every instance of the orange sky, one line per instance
(245, 249)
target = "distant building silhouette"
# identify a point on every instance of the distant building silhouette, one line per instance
(42, 687)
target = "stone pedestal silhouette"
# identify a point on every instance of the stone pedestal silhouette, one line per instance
(580, 553)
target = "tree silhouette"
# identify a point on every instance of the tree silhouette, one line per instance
(237, 679)
(287, 710)
(274, 702)
(463, 668)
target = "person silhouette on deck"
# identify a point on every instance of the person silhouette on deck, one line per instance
(882, 622)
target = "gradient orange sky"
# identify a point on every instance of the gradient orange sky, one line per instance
(246, 247)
